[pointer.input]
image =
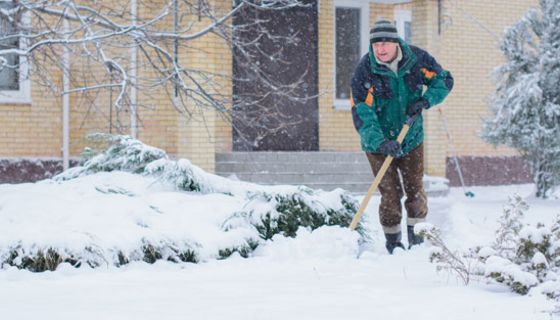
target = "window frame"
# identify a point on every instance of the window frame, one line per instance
(401, 17)
(344, 104)
(23, 94)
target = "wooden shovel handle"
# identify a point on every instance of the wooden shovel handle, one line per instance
(378, 178)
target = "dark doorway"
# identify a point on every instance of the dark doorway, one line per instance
(276, 80)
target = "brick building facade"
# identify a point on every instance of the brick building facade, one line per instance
(462, 35)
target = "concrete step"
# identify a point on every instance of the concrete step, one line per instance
(302, 178)
(317, 170)
(293, 167)
(285, 156)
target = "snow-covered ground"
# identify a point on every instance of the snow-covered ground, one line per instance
(323, 274)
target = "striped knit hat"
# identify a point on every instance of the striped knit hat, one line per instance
(383, 30)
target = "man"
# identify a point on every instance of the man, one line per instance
(392, 83)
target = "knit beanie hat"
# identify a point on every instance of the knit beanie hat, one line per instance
(383, 30)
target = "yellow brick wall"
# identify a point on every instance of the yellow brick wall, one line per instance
(95, 111)
(90, 111)
(223, 64)
(336, 131)
(335, 126)
(206, 132)
(32, 130)
(470, 52)
(463, 47)
(380, 11)
(425, 24)
(157, 117)
(35, 130)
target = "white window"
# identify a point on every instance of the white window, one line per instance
(14, 82)
(351, 38)
(403, 20)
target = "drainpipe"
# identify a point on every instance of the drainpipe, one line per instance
(176, 44)
(66, 103)
(133, 74)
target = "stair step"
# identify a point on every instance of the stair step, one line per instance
(283, 156)
(276, 177)
(316, 170)
(303, 167)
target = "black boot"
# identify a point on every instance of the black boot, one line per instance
(393, 241)
(413, 239)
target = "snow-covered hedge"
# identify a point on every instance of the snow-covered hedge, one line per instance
(287, 212)
(132, 203)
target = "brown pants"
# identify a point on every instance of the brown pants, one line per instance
(411, 167)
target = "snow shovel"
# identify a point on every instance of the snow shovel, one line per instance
(380, 174)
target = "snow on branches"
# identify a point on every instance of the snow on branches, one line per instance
(132, 203)
(526, 105)
(114, 50)
(523, 257)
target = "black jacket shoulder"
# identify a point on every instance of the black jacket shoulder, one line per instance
(361, 79)
(425, 60)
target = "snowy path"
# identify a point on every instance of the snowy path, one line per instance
(371, 288)
(305, 278)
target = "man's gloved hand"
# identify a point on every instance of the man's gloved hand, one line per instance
(417, 107)
(390, 148)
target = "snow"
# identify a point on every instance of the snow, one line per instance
(526, 99)
(485, 252)
(132, 203)
(508, 269)
(329, 243)
(322, 274)
(436, 184)
(533, 233)
(260, 288)
(539, 258)
(78, 213)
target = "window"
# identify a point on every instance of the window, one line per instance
(351, 43)
(14, 84)
(8, 74)
(403, 20)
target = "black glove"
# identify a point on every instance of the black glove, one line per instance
(416, 107)
(390, 148)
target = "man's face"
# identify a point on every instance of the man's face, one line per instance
(385, 51)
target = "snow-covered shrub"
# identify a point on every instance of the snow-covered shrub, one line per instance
(507, 235)
(505, 271)
(132, 203)
(285, 213)
(38, 259)
(123, 154)
(243, 250)
(178, 173)
(522, 256)
(525, 255)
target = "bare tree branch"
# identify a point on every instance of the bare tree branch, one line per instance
(101, 34)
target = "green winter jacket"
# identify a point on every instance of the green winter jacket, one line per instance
(419, 76)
